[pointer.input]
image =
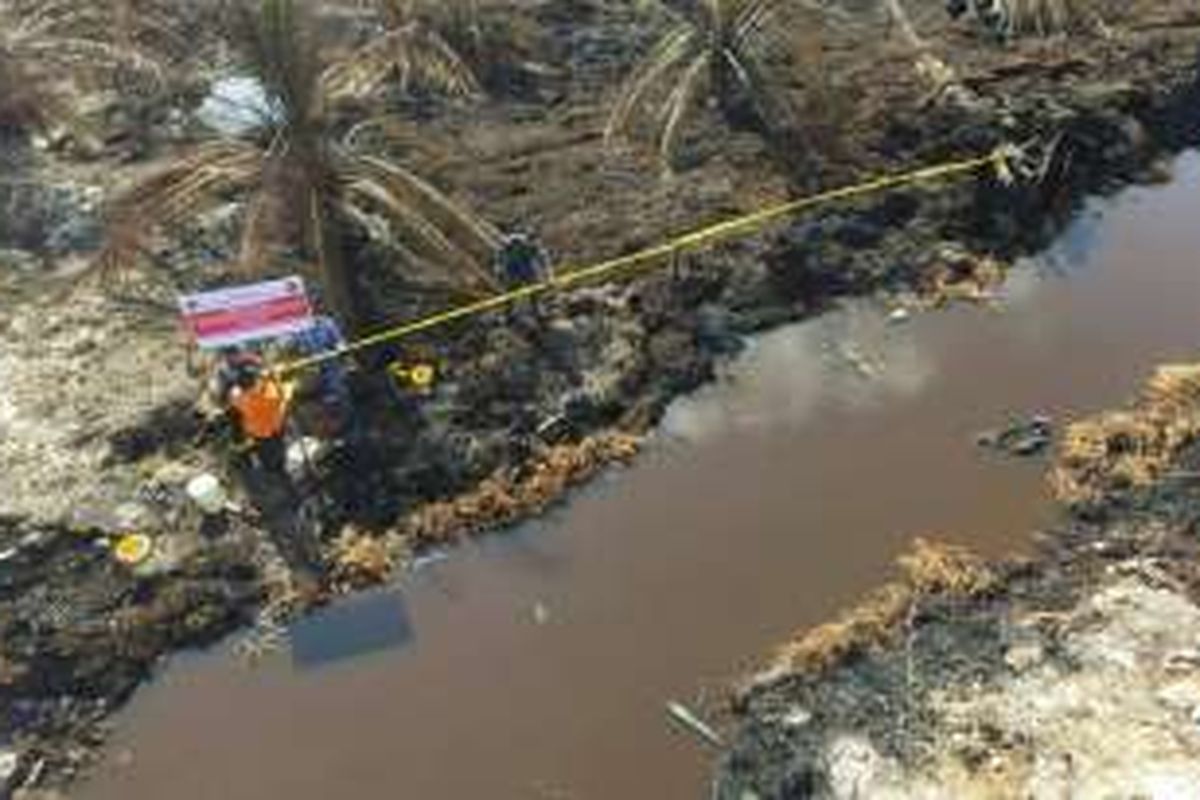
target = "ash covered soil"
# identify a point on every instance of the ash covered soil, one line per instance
(98, 425)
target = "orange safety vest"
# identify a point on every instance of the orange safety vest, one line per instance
(263, 408)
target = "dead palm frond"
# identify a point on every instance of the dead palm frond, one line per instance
(303, 187)
(410, 50)
(53, 50)
(725, 50)
(149, 27)
(101, 37)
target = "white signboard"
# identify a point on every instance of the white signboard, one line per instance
(240, 314)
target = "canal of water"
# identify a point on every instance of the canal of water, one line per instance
(536, 665)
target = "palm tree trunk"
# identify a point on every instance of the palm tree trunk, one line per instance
(735, 106)
(324, 232)
(336, 275)
(771, 117)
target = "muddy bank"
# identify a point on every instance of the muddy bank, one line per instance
(522, 414)
(1070, 672)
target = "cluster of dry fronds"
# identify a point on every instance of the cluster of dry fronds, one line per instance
(309, 190)
(51, 50)
(1118, 451)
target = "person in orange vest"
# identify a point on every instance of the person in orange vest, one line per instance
(261, 402)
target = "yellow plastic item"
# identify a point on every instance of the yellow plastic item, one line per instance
(418, 376)
(422, 376)
(133, 548)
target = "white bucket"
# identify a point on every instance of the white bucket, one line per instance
(207, 493)
(302, 454)
(9, 763)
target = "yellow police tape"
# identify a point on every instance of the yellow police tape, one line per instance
(998, 159)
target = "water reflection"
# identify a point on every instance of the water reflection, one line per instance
(853, 357)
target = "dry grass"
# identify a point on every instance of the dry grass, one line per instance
(1126, 450)
(361, 560)
(865, 626)
(930, 568)
(503, 499)
(957, 275)
(937, 568)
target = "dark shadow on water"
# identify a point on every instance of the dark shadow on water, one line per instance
(351, 628)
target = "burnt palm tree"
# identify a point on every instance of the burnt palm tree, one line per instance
(305, 189)
(411, 50)
(735, 52)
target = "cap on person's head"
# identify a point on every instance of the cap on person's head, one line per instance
(247, 375)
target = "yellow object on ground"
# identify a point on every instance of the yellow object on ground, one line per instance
(422, 376)
(133, 548)
(418, 376)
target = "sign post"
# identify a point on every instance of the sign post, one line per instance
(239, 314)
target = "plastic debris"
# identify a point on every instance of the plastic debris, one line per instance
(899, 315)
(689, 720)
(303, 454)
(796, 717)
(541, 614)
(206, 492)
(1027, 437)
(428, 560)
(9, 763)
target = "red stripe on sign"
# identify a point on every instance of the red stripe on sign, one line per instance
(248, 318)
(276, 309)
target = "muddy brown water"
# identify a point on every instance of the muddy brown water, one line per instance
(536, 665)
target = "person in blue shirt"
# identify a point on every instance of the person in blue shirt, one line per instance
(332, 386)
(521, 260)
